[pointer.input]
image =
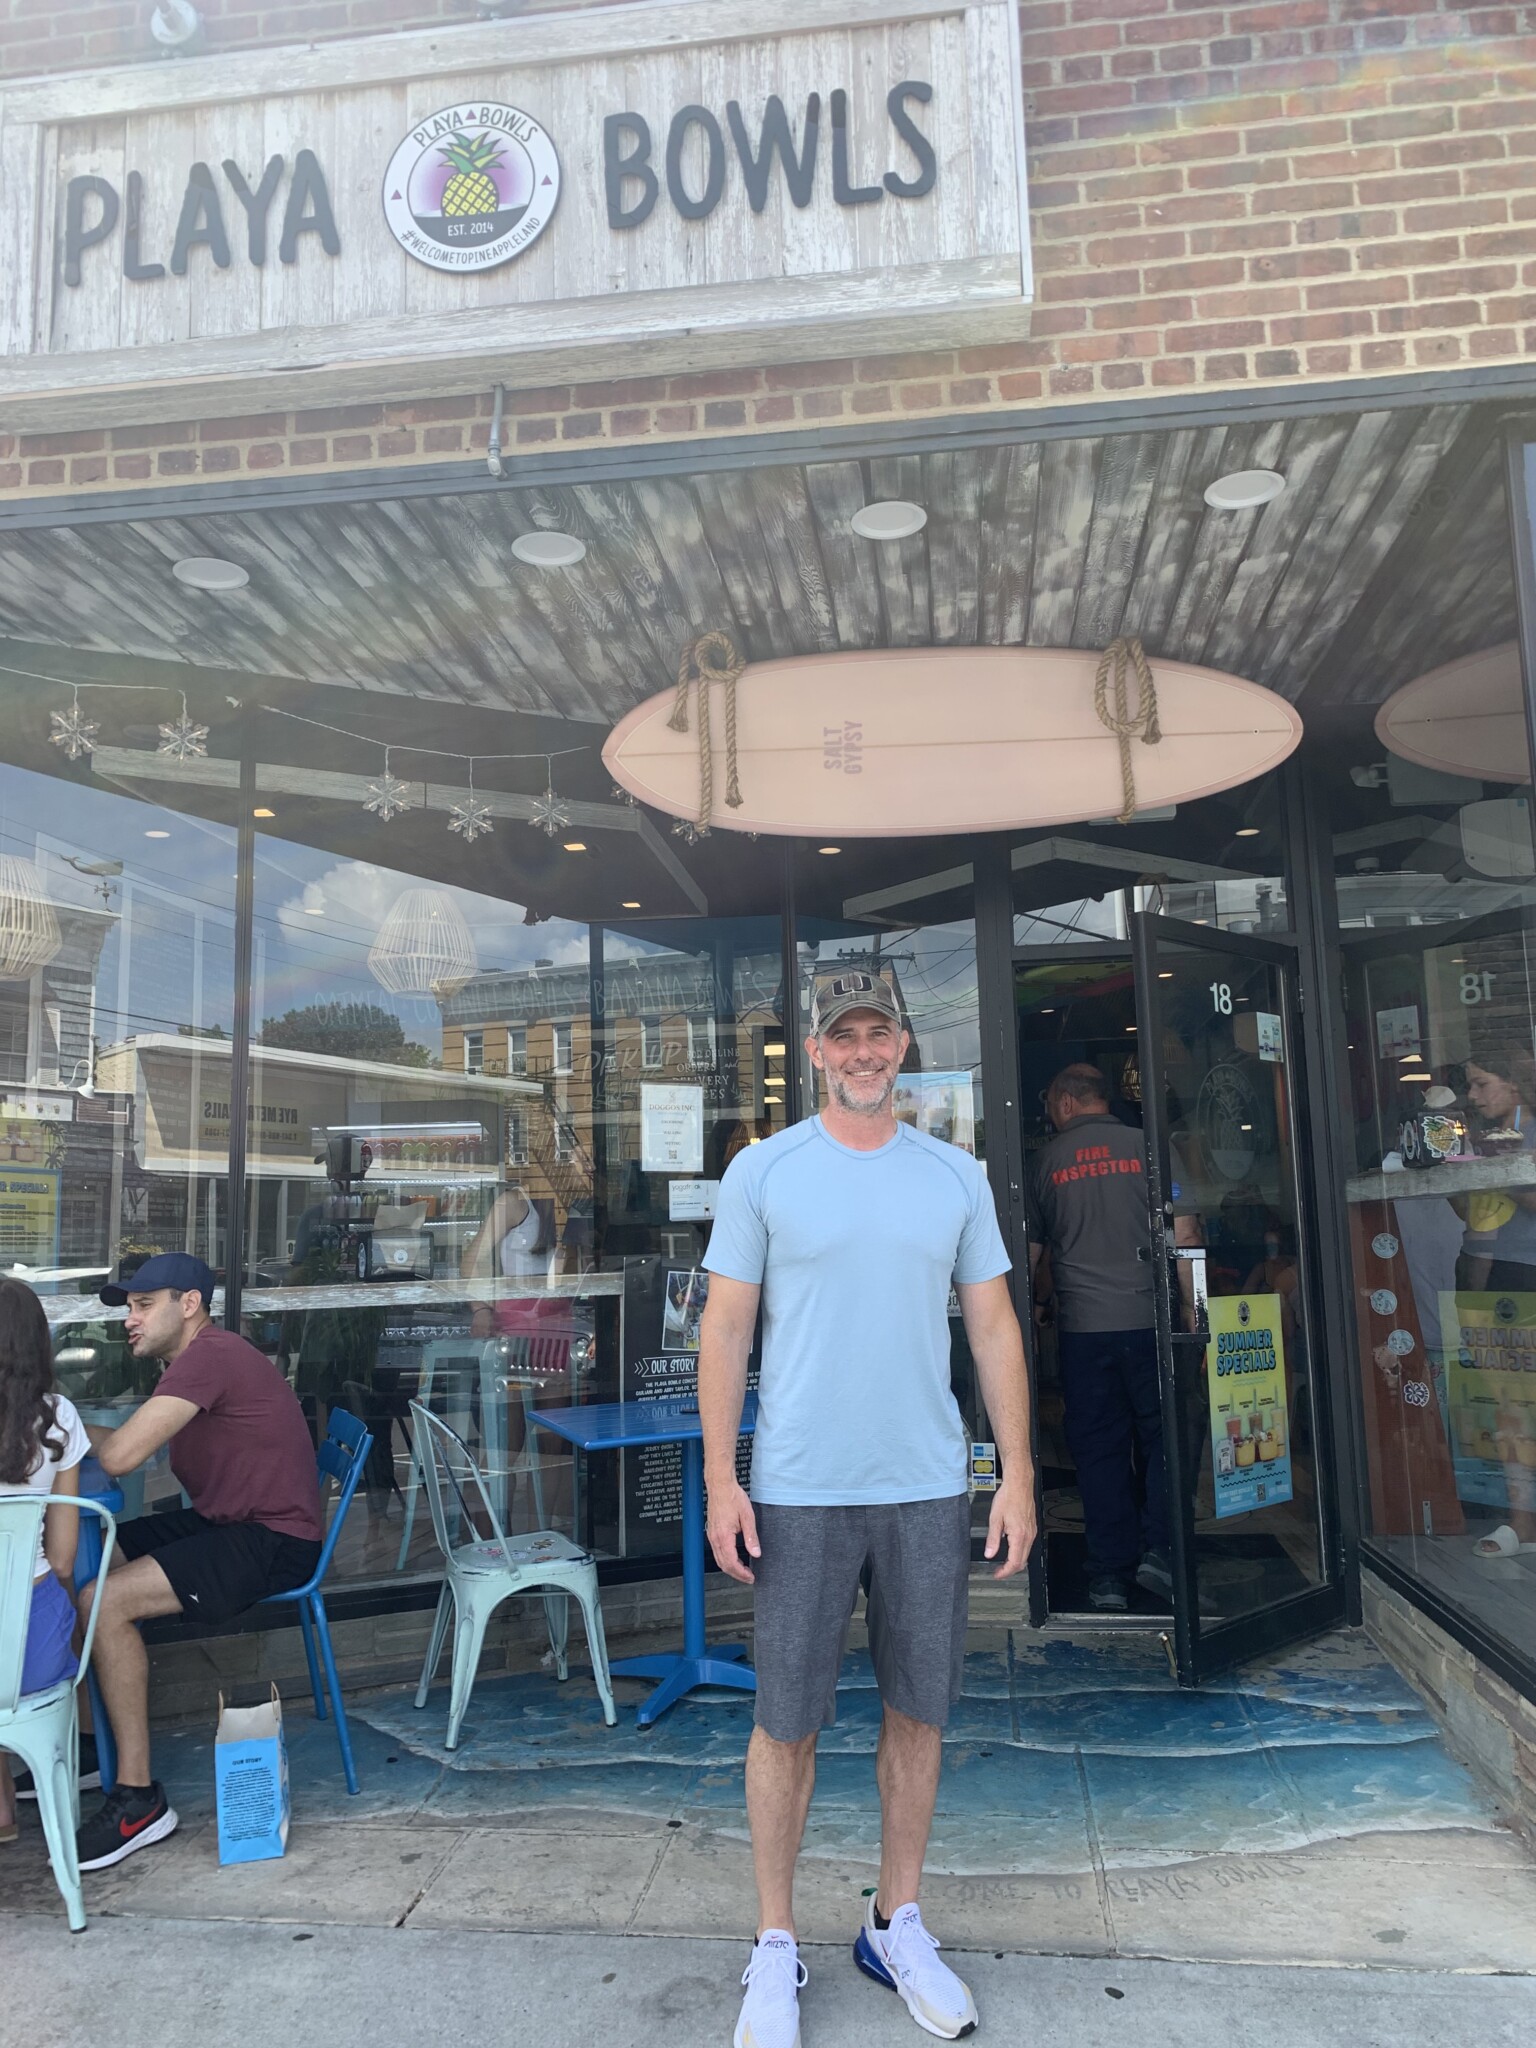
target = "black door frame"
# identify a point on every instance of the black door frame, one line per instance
(1200, 1654)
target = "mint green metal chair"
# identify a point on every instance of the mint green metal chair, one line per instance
(481, 1572)
(43, 1728)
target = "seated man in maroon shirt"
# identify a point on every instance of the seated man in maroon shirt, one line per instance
(241, 1450)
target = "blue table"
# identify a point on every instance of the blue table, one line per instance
(621, 1425)
(95, 1485)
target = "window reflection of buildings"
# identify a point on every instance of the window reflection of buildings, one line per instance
(668, 1018)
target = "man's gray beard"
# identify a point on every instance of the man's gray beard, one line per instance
(844, 1100)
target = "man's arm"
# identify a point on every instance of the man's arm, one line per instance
(997, 1345)
(725, 1344)
(123, 1450)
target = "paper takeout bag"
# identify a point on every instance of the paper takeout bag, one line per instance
(250, 1767)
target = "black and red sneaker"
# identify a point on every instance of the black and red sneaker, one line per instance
(129, 1818)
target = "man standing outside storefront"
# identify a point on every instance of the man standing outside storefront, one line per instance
(850, 1228)
(1088, 1208)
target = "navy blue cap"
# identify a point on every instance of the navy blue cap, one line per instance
(178, 1270)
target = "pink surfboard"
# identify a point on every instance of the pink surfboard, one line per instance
(1467, 718)
(920, 740)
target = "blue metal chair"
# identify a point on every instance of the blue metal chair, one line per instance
(342, 1457)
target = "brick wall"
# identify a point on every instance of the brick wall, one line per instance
(1223, 196)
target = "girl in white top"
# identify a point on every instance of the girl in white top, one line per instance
(42, 1442)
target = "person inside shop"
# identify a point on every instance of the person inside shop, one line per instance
(515, 1246)
(240, 1448)
(1499, 1249)
(42, 1446)
(1498, 1254)
(1088, 1210)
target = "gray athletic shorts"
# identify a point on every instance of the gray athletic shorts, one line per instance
(919, 1558)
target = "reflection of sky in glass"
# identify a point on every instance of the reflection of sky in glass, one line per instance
(166, 959)
(317, 916)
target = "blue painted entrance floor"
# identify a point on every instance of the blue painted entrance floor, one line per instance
(1302, 1811)
(1060, 1756)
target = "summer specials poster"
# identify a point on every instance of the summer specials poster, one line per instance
(1490, 1351)
(1250, 1417)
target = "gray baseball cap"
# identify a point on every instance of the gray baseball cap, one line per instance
(854, 989)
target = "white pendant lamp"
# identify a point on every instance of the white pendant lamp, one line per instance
(29, 924)
(424, 946)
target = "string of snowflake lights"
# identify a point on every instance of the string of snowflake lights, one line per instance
(387, 794)
(183, 738)
(72, 730)
(470, 818)
(549, 813)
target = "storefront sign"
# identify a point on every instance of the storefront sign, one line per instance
(1250, 1414)
(1490, 1342)
(471, 187)
(513, 202)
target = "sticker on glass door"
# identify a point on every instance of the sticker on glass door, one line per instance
(1250, 1414)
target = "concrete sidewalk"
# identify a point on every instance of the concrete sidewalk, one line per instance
(200, 1984)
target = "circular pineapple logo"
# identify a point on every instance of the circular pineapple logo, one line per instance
(471, 187)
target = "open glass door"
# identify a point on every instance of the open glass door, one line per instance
(1220, 1056)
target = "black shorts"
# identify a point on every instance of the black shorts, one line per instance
(218, 1569)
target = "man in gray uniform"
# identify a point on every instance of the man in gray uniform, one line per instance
(1088, 1206)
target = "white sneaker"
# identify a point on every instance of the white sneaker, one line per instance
(770, 2012)
(903, 1957)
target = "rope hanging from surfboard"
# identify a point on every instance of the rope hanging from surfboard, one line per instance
(711, 658)
(1119, 658)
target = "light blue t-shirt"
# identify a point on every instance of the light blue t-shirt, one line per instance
(855, 1252)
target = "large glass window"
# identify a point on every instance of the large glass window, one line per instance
(116, 974)
(1427, 797)
(1215, 861)
(485, 1142)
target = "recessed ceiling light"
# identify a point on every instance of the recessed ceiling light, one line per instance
(1047, 1013)
(210, 572)
(1415, 1077)
(261, 811)
(1200, 920)
(773, 1101)
(574, 845)
(157, 835)
(889, 519)
(1130, 1027)
(314, 910)
(547, 550)
(1247, 832)
(1242, 490)
(776, 1050)
(1166, 975)
(633, 904)
(829, 849)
